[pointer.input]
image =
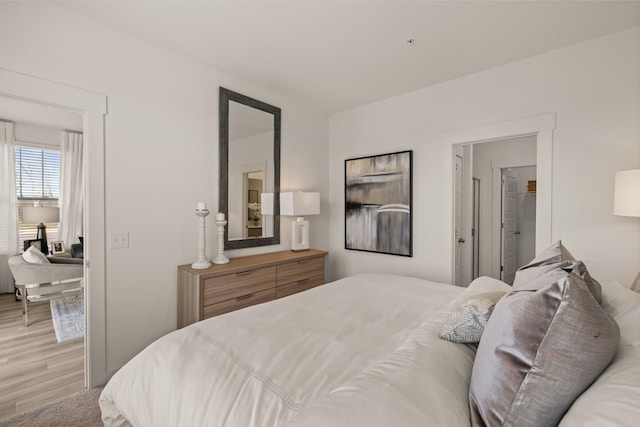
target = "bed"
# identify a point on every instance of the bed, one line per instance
(361, 351)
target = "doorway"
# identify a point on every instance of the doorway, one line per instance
(92, 107)
(253, 185)
(52, 342)
(539, 129)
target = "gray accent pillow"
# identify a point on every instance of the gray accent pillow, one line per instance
(466, 323)
(539, 351)
(551, 265)
(548, 260)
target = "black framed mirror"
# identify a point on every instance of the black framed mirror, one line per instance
(249, 169)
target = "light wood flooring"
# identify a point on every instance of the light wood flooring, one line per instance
(34, 368)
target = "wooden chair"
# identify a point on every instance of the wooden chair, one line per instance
(42, 282)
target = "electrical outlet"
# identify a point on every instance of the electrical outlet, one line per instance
(118, 240)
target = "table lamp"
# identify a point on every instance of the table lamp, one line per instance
(299, 204)
(41, 215)
(626, 201)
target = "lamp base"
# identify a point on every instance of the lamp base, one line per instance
(42, 235)
(300, 235)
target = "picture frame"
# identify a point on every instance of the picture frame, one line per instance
(378, 203)
(33, 242)
(57, 247)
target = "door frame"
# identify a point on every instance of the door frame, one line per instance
(93, 107)
(542, 127)
(458, 221)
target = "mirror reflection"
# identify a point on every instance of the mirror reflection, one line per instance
(249, 156)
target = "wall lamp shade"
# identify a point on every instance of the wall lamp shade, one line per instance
(626, 196)
(299, 204)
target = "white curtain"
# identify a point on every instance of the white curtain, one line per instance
(71, 199)
(8, 205)
(8, 198)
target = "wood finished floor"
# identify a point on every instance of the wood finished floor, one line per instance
(34, 368)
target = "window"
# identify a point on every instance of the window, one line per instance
(37, 181)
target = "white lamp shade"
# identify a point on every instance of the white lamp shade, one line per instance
(299, 203)
(626, 197)
(40, 214)
(266, 203)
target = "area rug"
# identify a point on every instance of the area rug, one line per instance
(68, 317)
(78, 410)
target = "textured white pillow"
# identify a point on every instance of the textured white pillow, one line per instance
(481, 285)
(466, 324)
(34, 256)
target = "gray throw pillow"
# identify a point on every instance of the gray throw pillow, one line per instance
(466, 323)
(539, 351)
(551, 265)
(548, 260)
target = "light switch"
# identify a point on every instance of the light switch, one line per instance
(118, 240)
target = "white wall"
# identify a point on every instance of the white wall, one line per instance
(161, 154)
(594, 89)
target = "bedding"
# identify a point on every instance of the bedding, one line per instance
(265, 364)
(361, 351)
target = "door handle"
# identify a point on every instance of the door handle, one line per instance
(460, 240)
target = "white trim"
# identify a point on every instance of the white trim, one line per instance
(542, 127)
(93, 107)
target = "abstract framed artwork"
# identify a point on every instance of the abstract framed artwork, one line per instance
(378, 199)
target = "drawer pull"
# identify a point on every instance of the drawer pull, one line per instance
(243, 297)
(304, 261)
(245, 273)
(302, 282)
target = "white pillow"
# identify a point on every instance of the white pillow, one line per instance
(614, 398)
(616, 298)
(34, 256)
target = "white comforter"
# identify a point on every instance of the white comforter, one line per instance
(361, 351)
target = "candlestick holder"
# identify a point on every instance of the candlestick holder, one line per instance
(202, 262)
(220, 258)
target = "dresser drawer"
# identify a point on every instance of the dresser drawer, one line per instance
(245, 281)
(230, 286)
(299, 286)
(293, 271)
(239, 302)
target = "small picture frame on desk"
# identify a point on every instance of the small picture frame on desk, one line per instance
(57, 247)
(33, 242)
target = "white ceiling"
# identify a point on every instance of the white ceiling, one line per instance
(341, 54)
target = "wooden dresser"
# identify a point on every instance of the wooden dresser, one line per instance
(245, 281)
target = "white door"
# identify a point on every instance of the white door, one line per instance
(458, 222)
(509, 226)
